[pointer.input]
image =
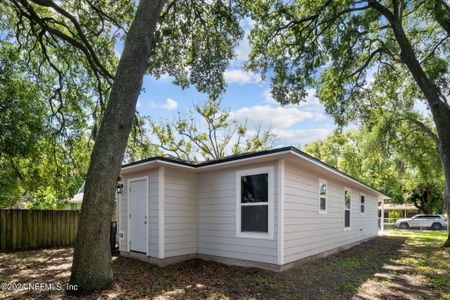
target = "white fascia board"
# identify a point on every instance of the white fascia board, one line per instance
(245, 160)
(313, 161)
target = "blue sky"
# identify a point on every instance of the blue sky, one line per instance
(248, 99)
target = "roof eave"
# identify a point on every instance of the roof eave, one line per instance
(237, 160)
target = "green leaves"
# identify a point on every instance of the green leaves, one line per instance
(346, 50)
(33, 156)
(194, 43)
(208, 132)
(59, 61)
(393, 154)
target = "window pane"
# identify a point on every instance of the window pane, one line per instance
(348, 197)
(363, 199)
(323, 204)
(255, 218)
(323, 190)
(362, 208)
(347, 218)
(254, 188)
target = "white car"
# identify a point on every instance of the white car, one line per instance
(435, 222)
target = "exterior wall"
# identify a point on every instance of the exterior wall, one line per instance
(306, 232)
(180, 209)
(216, 222)
(199, 215)
(72, 206)
(152, 214)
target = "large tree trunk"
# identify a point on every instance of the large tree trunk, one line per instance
(439, 108)
(441, 12)
(92, 269)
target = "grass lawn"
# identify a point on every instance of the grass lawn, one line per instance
(402, 264)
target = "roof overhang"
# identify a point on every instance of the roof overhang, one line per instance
(289, 153)
(77, 198)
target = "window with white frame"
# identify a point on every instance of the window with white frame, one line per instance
(363, 204)
(347, 207)
(254, 209)
(322, 196)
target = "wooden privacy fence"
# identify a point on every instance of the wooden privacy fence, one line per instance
(28, 229)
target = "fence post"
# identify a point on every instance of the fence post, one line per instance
(28, 229)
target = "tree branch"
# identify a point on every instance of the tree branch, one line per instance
(381, 9)
(368, 60)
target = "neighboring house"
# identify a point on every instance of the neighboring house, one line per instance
(404, 210)
(267, 209)
(76, 201)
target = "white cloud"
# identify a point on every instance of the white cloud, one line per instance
(421, 107)
(311, 102)
(275, 117)
(240, 76)
(268, 97)
(286, 121)
(170, 104)
(243, 49)
(300, 137)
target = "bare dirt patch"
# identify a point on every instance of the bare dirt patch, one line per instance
(389, 267)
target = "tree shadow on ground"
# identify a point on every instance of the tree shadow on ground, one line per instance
(420, 271)
(336, 277)
(381, 268)
(24, 271)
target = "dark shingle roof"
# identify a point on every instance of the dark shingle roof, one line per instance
(244, 156)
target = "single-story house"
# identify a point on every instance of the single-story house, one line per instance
(75, 202)
(268, 209)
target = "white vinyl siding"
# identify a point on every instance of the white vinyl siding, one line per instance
(152, 213)
(216, 227)
(307, 232)
(200, 213)
(180, 209)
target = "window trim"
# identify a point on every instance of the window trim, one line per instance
(346, 189)
(360, 203)
(270, 199)
(323, 211)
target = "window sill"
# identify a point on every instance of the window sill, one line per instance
(255, 235)
(322, 212)
(347, 228)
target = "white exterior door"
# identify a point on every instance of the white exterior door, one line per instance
(138, 198)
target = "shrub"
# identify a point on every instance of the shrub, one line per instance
(393, 214)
